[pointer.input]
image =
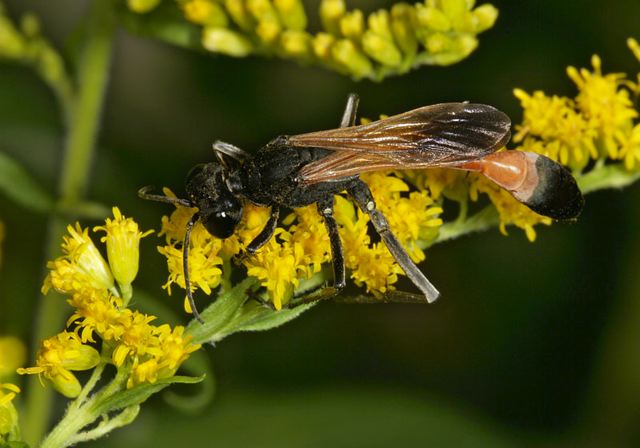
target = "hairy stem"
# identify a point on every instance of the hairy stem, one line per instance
(82, 129)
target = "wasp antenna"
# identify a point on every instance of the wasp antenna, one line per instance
(144, 194)
(185, 266)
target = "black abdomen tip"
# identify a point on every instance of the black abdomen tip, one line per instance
(557, 194)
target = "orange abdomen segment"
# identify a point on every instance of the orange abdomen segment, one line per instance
(543, 185)
(514, 171)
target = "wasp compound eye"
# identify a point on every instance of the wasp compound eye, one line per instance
(221, 224)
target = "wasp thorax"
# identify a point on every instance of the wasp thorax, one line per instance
(220, 211)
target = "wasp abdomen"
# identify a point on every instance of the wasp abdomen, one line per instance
(543, 185)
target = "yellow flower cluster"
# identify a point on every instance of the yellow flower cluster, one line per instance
(129, 340)
(435, 32)
(301, 246)
(597, 124)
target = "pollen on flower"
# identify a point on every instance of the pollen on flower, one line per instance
(80, 267)
(58, 356)
(128, 337)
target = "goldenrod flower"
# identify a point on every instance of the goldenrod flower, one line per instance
(8, 414)
(123, 247)
(128, 336)
(510, 210)
(603, 101)
(385, 42)
(58, 356)
(80, 267)
(12, 355)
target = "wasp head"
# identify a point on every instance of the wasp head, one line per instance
(220, 211)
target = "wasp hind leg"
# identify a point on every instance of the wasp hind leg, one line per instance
(362, 195)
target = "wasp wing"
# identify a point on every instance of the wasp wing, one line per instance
(433, 136)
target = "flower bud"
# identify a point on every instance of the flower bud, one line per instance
(331, 11)
(205, 12)
(352, 24)
(291, 14)
(142, 6)
(381, 49)
(485, 16)
(346, 54)
(123, 246)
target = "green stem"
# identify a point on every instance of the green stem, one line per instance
(83, 127)
(483, 220)
(77, 417)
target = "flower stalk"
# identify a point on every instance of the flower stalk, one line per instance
(79, 147)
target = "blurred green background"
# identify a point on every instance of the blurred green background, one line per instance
(531, 344)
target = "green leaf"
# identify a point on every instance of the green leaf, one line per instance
(19, 186)
(138, 394)
(607, 176)
(220, 313)
(262, 318)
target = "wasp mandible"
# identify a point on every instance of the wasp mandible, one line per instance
(298, 170)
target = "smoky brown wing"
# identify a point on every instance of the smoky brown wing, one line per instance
(439, 135)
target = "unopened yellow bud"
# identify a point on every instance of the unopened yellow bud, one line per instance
(379, 23)
(268, 31)
(239, 13)
(322, 43)
(402, 19)
(331, 11)
(346, 54)
(66, 383)
(123, 246)
(352, 24)
(454, 9)
(225, 41)
(380, 49)
(432, 19)
(262, 10)
(296, 43)
(292, 14)
(485, 16)
(438, 43)
(142, 6)
(205, 12)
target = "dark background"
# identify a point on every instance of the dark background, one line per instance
(530, 343)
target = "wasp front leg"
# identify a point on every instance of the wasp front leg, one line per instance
(363, 197)
(267, 232)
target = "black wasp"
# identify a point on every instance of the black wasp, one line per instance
(294, 171)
